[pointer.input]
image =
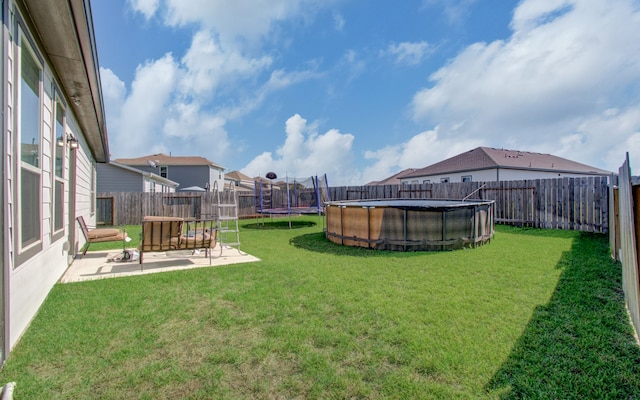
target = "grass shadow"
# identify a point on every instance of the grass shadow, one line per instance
(317, 242)
(580, 344)
(280, 224)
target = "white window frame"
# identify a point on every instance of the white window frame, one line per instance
(59, 142)
(25, 43)
(93, 195)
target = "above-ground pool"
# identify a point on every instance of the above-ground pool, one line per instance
(410, 224)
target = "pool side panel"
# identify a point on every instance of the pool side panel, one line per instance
(410, 226)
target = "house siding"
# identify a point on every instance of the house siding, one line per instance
(186, 175)
(114, 179)
(30, 281)
(196, 175)
(493, 174)
(216, 178)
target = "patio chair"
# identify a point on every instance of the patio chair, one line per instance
(97, 235)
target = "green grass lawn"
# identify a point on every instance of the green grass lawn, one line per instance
(533, 314)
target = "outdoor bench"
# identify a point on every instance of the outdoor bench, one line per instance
(172, 233)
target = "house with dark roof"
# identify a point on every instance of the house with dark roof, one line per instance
(188, 171)
(115, 177)
(489, 164)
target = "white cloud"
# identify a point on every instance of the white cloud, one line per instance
(278, 80)
(609, 136)
(565, 62)
(531, 14)
(169, 102)
(146, 7)
(183, 105)
(238, 21)
(454, 10)
(409, 53)
(419, 151)
(136, 120)
(208, 65)
(194, 131)
(354, 64)
(338, 22)
(114, 93)
(305, 153)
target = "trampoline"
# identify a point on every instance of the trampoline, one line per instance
(410, 224)
(291, 196)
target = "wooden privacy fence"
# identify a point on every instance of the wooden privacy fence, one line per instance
(567, 203)
(128, 208)
(564, 203)
(623, 237)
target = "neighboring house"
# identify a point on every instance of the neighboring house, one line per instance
(241, 181)
(393, 179)
(115, 177)
(188, 172)
(53, 135)
(484, 164)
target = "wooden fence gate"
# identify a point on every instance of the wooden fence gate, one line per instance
(104, 208)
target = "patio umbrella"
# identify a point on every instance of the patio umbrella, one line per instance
(193, 189)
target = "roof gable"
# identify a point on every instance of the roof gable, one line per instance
(238, 176)
(393, 179)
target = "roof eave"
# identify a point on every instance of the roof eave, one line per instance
(65, 30)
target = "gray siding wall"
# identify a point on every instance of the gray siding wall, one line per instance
(195, 175)
(114, 179)
(190, 175)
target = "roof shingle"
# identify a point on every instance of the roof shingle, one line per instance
(163, 159)
(488, 157)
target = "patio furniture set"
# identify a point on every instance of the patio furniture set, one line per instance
(160, 234)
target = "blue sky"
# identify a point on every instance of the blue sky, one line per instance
(360, 90)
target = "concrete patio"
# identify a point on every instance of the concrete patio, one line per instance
(104, 264)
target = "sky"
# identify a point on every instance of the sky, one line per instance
(362, 89)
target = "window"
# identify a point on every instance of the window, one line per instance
(444, 180)
(426, 181)
(466, 178)
(152, 186)
(29, 122)
(164, 171)
(93, 188)
(59, 151)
